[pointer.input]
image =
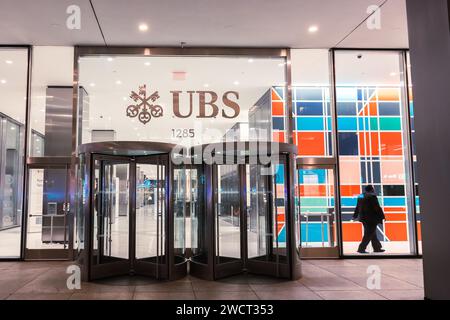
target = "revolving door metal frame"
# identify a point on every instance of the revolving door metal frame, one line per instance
(129, 153)
(211, 269)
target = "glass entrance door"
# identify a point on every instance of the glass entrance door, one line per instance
(130, 202)
(48, 208)
(150, 211)
(251, 219)
(111, 219)
(317, 207)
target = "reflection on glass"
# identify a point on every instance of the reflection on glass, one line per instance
(228, 208)
(259, 231)
(113, 212)
(11, 151)
(179, 203)
(47, 209)
(318, 223)
(150, 211)
(197, 213)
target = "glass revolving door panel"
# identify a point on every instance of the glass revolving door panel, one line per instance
(111, 220)
(151, 216)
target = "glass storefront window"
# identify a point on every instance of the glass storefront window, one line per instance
(13, 92)
(184, 100)
(373, 139)
(51, 102)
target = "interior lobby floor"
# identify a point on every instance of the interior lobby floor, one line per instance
(401, 279)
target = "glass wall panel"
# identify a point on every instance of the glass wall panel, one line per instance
(13, 92)
(183, 100)
(414, 154)
(317, 207)
(196, 203)
(150, 210)
(311, 102)
(373, 139)
(47, 208)
(228, 224)
(51, 101)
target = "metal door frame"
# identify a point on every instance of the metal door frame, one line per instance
(323, 252)
(49, 254)
(133, 265)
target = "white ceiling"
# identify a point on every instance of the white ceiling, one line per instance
(249, 23)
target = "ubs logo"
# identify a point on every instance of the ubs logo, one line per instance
(145, 108)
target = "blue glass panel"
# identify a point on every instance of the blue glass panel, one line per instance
(278, 123)
(280, 91)
(347, 123)
(314, 232)
(310, 124)
(348, 202)
(319, 173)
(389, 108)
(346, 108)
(394, 202)
(348, 144)
(309, 108)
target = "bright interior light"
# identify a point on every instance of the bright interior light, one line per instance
(3, 81)
(313, 29)
(147, 63)
(8, 61)
(109, 59)
(236, 83)
(92, 84)
(250, 60)
(143, 27)
(118, 82)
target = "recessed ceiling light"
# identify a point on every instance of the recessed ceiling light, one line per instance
(109, 59)
(143, 27)
(147, 63)
(250, 60)
(92, 84)
(236, 83)
(118, 82)
(9, 62)
(206, 85)
(313, 29)
(3, 81)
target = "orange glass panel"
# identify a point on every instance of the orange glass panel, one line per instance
(311, 143)
(277, 108)
(352, 231)
(313, 190)
(396, 231)
(350, 190)
(391, 143)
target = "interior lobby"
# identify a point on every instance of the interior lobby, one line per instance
(154, 151)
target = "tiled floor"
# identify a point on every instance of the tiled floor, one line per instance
(322, 279)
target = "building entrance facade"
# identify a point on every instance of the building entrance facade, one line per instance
(348, 131)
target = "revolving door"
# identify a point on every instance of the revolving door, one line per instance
(132, 211)
(243, 212)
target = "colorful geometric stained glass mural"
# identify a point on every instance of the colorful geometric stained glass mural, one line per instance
(371, 144)
(372, 151)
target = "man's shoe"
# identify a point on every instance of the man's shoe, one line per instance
(379, 251)
(362, 251)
